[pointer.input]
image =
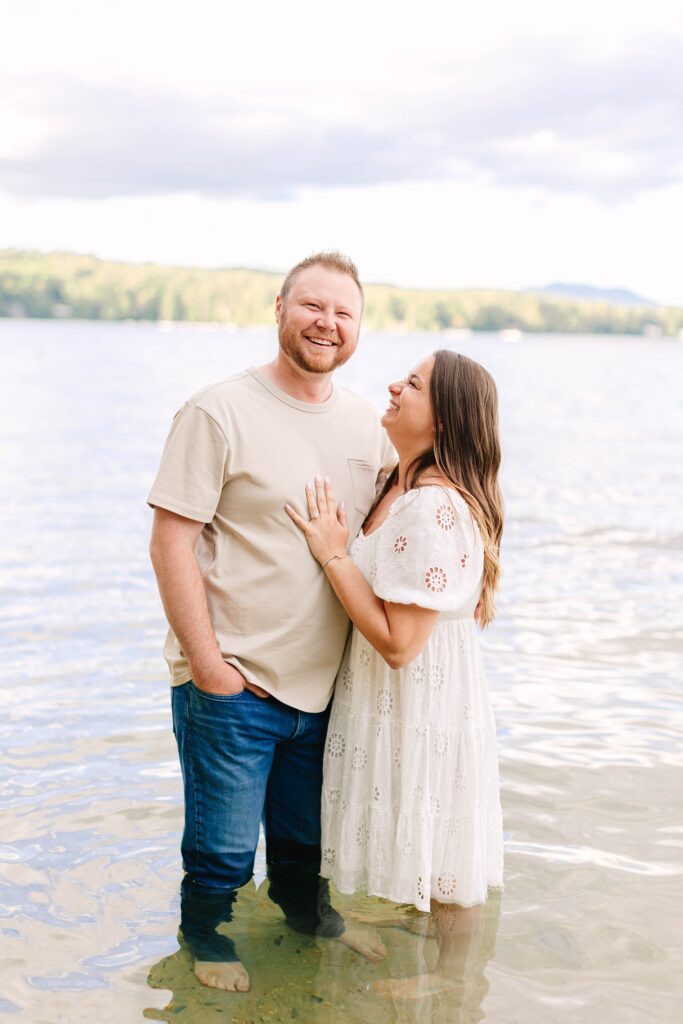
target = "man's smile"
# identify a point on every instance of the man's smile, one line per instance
(321, 342)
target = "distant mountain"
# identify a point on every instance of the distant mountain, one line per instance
(588, 293)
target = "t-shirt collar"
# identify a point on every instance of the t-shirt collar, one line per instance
(282, 396)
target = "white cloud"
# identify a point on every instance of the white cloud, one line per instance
(447, 144)
(563, 122)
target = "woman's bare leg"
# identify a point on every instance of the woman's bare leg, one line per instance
(453, 928)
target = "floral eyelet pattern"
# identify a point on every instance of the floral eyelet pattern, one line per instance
(445, 885)
(418, 674)
(441, 742)
(364, 657)
(347, 678)
(436, 579)
(400, 544)
(385, 702)
(445, 517)
(328, 855)
(336, 744)
(333, 795)
(362, 834)
(359, 759)
(436, 677)
(464, 560)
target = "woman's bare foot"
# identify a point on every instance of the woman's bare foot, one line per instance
(416, 987)
(416, 923)
(231, 977)
(364, 940)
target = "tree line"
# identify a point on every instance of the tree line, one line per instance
(48, 285)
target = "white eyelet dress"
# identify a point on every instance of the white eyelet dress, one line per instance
(411, 805)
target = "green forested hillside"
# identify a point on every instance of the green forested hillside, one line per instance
(68, 285)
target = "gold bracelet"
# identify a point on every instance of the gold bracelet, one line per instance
(332, 558)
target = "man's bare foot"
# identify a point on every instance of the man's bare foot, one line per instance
(231, 977)
(416, 987)
(364, 941)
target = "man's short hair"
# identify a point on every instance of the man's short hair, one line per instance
(331, 259)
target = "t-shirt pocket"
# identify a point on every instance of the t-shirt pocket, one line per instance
(363, 480)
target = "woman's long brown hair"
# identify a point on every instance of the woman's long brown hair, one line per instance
(466, 452)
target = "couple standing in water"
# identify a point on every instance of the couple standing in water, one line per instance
(259, 583)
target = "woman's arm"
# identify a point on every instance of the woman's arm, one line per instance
(397, 631)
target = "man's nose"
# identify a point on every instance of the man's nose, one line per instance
(326, 320)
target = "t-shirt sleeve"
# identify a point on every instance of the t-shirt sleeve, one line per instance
(194, 466)
(429, 552)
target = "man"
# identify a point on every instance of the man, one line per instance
(256, 633)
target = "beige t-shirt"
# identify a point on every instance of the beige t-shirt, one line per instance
(237, 451)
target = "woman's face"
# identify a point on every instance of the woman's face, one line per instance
(408, 418)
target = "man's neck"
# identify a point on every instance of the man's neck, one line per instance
(298, 383)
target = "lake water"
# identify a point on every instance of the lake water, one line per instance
(584, 662)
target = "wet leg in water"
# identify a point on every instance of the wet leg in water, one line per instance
(454, 928)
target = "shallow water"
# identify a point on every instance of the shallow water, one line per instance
(584, 662)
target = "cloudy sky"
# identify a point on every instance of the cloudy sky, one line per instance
(507, 146)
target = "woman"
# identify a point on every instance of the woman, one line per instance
(411, 808)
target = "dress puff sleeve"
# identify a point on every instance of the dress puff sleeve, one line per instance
(429, 551)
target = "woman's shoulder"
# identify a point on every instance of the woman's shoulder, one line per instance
(436, 492)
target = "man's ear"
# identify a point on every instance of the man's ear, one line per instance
(278, 308)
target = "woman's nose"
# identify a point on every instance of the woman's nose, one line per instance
(396, 387)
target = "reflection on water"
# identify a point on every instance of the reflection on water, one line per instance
(584, 663)
(297, 977)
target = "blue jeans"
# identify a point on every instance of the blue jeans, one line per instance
(246, 760)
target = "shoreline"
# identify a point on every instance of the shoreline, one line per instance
(509, 335)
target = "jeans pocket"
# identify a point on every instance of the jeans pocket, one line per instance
(221, 698)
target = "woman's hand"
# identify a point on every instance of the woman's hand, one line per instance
(327, 531)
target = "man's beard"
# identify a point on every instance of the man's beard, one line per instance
(294, 346)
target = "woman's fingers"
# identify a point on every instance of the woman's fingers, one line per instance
(301, 523)
(329, 496)
(312, 502)
(320, 494)
(341, 515)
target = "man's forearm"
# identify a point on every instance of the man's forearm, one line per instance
(184, 599)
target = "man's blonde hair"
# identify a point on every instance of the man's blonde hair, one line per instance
(331, 259)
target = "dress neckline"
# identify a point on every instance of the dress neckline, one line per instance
(414, 491)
